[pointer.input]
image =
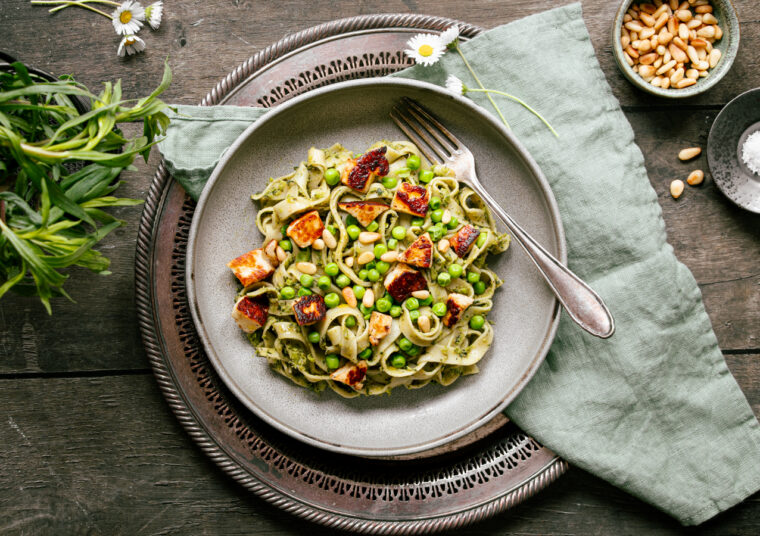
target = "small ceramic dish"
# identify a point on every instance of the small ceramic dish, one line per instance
(734, 124)
(728, 45)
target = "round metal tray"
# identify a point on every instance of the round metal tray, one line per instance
(480, 475)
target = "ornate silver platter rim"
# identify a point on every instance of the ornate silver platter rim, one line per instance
(195, 424)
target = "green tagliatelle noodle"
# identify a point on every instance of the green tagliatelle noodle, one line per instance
(441, 354)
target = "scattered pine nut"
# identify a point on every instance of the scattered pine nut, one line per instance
(329, 239)
(349, 261)
(696, 177)
(365, 257)
(423, 323)
(281, 255)
(366, 237)
(308, 268)
(318, 244)
(369, 298)
(389, 256)
(444, 245)
(349, 296)
(421, 294)
(676, 188)
(689, 153)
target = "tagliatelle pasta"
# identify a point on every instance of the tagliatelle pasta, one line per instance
(372, 274)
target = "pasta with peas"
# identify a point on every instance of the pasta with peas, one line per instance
(372, 274)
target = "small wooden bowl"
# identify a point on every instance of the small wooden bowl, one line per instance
(728, 21)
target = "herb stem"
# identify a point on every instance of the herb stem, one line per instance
(80, 3)
(472, 72)
(518, 100)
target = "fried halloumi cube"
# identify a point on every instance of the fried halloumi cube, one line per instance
(351, 374)
(403, 280)
(253, 266)
(411, 199)
(360, 175)
(364, 211)
(463, 240)
(251, 313)
(309, 309)
(455, 306)
(419, 253)
(306, 229)
(379, 327)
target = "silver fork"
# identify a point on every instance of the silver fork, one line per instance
(583, 305)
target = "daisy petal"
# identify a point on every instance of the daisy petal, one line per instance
(450, 35)
(153, 14)
(425, 49)
(128, 18)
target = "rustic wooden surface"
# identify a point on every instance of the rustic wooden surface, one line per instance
(88, 444)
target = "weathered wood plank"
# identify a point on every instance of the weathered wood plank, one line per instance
(106, 456)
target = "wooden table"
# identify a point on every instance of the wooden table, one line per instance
(88, 443)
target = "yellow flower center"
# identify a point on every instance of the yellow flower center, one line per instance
(130, 41)
(125, 17)
(426, 50)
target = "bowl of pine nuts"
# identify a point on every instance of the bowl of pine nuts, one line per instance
(675, 48)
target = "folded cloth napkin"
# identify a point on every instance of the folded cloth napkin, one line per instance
(653, 410)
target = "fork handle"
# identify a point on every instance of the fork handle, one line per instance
(583, 305)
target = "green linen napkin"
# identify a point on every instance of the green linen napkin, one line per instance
(653, 410)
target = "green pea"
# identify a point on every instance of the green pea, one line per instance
(359, 291)
(324, 282)
(365, 354)
(404, 344)
(480, 287)
(436, 232)
(390, 182)
(414, 315)
(455, 270)
(412, 304)
(333, 230)
(444, 279)
(286, 245)
(314, 337)
(304, 291)
(287, 293)
(332, 361)
(418, 222)
(332, 269)
(373, 275)
(380, 250)
(366, 310)
(342, 281)
(306, 280)
(436, 215)
(398, 232)
(382, 267)
(473, 277)
(398, 361)
(351, 220)
(353, 231)
(435, 202)
(395, 311)
(392, 243)
(413, 351)
(383, 305)
(284, 230)
(373, 226)
(426, 176)
(363, 274)
(426, 301)
(482, 237)
(453, 223)
(332, 300)
(439, 309)
(413, 162)
(350, 322)
(332, 176)
(477, 322)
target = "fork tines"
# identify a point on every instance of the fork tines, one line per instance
(423, 128)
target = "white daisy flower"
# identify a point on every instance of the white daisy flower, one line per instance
(450, 35)
(455, 85)
(128, 18)
(153, 14)
(425, 49)
(131, 44)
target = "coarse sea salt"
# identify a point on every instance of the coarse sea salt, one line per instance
(751, 152)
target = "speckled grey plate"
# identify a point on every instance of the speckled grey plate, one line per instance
(408, 421)
(735, 122)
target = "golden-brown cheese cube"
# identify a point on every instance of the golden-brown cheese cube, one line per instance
(359, 174)
(251, 313)
(306, 229)
(411, 199)
(379, 327)
(463, 240)
(403, 280)
(455, 306)
(351, 374)
(252, 267)
(309, 309)
(419, 253)
(364, 211)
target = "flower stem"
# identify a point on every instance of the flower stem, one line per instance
(80, 3)
(516, 99)
(469, 68)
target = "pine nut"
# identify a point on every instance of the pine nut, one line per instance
(665, 83)
(685, 82)
(349, 296)
(329, 239)
(693, 24)
(661, 10)
(718, 32)
(308, 268)
(634, 26)
(706, 32)
(366, 237)
(680, 43)
(666, 67)
(444, 245)
(349, 261)
(647, 59)
(709, 18)
(673, 4)
(281, 255)
(704, 9)
(421, 294)
(689, 153)
(714, 57)
(389, 256)
(632, 51)
(684, 15)
(703, 74)
(661, 21)
(676, 188)
(644, 47)
(647, 19)
(692, 53)
(673, 25)
(318, 244)
(365, 257)
(271, 250)
(678, 54)
(692, 73)
(665, 36)
(423, 323)
(625, 41)
(702, 65)
(656, 81)
(646, 71)
(696, 177)
(677, 76)
(369, 298)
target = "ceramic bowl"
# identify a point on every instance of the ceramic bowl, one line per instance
(728, 45)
